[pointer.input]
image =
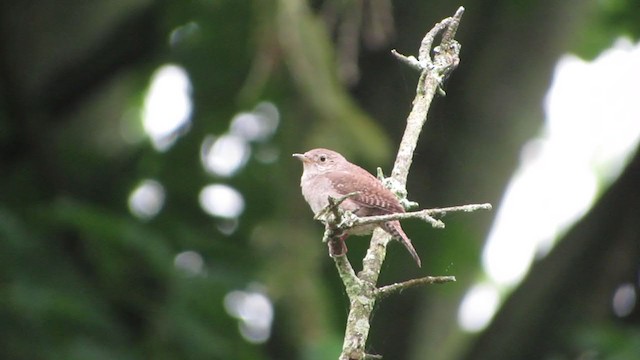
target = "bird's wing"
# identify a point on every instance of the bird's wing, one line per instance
(372, 198)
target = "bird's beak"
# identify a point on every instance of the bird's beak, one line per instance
(301, 157)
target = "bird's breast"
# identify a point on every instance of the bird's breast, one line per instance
(316, 190)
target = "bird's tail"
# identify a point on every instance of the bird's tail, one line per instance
(394, 228)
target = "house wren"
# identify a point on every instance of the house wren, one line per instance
(327, 173)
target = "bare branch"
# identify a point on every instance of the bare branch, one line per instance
(450, 32)
(421, 214)
(372, 357)
(362, 292)
(348, 276)
(398, 287)
(464, 208)
(409, 60)
(428, 84)
(345, 222)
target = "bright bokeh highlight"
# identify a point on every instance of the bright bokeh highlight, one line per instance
(147, 199)
(478, 306)
(190, 263)
(592, 126)
(221, 201)
(167, 106)
(226, 154)
(624, 300)
(254, 312)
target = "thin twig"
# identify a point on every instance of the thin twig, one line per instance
(372, 357)
(426, 45)
(397, 287)
(450, 32)
(409, 60)
(421, 214)
(465, 208)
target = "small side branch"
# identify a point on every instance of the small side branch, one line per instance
(398, 287)
(449, 27)
(410, 60)
(464, 208)
(343, 221)
(424, 215)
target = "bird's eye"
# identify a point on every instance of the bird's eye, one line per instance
(323, 158)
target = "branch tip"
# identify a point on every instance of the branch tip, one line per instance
(409, 60)
(372, 357)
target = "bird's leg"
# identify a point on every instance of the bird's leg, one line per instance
(335, 240)
(337, 246)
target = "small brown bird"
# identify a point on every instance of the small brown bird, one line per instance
(327, 173)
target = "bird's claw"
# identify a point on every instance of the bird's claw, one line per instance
(347, 220)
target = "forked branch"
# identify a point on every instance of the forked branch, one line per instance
(362, 288)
